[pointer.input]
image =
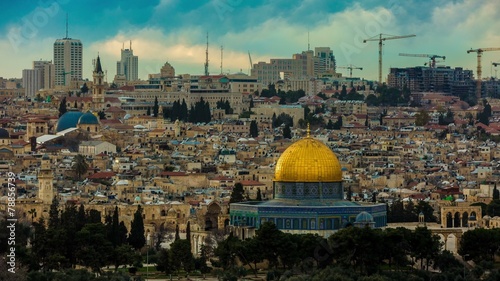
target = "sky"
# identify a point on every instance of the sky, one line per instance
(175, 31)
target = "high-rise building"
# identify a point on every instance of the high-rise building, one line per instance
(324, 60)
(428, 79)
(128, 65)
(48, 74)
(301, 66)
(31, 81)
(67, 61)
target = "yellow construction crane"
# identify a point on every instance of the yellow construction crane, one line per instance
(350, 67)
(433, 58)
(479, 71)
(380, 38)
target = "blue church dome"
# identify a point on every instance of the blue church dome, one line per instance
(4, 134)
(88, 119)
(364, 217)
(68, 120)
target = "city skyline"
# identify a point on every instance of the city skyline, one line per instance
(175, 31)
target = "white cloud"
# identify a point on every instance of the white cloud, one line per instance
(450, 29)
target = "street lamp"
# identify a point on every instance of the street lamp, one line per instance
(147, 255)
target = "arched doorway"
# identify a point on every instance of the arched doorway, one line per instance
(212, 217)
(465, 219)
(451, 243)
(456, 220)
(449, 220)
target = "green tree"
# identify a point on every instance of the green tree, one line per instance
(54, 219)
(124, 255)
(62, 107)
(238, 193)
(165, 263)
(251, 103)
(227, 251)
(359, 248)
(94, 248)
(480, 244)
(80, 166)
(84, 89)
(493, 209)
(496, 193)
(177, 236)
(484, 116)
(330, 125)
(156, 107)
(254, 131)
(136, 238)
(268, 238)
(188, 232)
(183, 114)
(114, 228)
(372, 100)
(259, 195)
(287, 133)
(338, 125)
(181, 250)
(425, 246)
(422, 118)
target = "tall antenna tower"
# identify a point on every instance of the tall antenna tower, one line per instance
(308, 45)
(221, 57)
(66, 25)
(206, 59)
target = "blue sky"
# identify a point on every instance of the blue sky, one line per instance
(175, 31)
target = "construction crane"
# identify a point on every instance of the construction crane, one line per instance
(350, 67)
(64, 73)
(479, 71)
(380, 38)
(432, 58)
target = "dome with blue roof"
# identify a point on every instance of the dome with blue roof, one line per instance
(88, 119)
(364, 217)
(68, 120)
(4, 134)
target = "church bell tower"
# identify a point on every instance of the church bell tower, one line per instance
(98, 87)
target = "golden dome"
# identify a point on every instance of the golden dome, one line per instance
(308, 160)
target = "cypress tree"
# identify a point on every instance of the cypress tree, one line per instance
(136, 238)
(259, 195)
(62, 107)
(54, 214)
(156, 108)
(183, 111)
(237, 194)
(287, 133)
(188, 232)
(177, 236)
(254, 130)
(496, 193)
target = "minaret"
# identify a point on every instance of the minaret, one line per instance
(45, 181)
(98, 87)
